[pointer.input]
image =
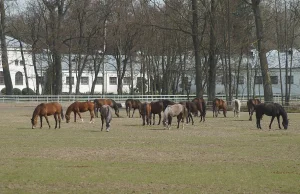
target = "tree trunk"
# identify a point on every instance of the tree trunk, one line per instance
(211, 90)
(5, 65)
(268, 92)
(24, 64)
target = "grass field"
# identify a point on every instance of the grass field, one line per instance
(222, 155)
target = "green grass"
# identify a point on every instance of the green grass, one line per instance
(222, 155)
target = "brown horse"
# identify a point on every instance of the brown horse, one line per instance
(132, 104)
(45, 110)
(156, 108)
(201, 106)
(192, 110)
(219, 104)
(251, 106)
(78, 107)
(99, 102)
(146, 113)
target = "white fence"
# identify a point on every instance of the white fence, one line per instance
(117, 98)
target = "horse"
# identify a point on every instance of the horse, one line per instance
(171, 111)
(156, 108)
(219, 104)
(167, 103)
(132, 104)
(201, 106)
(251, 106)
(192, 110)
(78, 107)
(106, 115)
(273, 110)
(146, 113)
(99, 102)
(236, 105)
(45, 110)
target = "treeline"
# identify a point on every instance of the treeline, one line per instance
(205, 30)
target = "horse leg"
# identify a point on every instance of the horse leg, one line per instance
(224, 112)
(55, 118)
(74, 116)
(92, 117)
(59, 119)
(102, 120)
(46, 117)
(278, 120)
(80, 116)
(144, 117)
(159, 115)
(41, 120)
(169, 122)
(271, 122)
(107, 124)
(133, 112)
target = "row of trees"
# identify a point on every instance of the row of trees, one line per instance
(207, 30)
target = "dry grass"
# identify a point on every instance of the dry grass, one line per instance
(222, 155)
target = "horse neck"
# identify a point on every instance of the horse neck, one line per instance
(283, 114)
(36, 112)
(69, 110)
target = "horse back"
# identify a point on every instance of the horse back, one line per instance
(156, 107)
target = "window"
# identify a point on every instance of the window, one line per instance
(258, 80)
(126, 80)
(99, 81)
(19, 78)
(241, 79)
(274, 79)
(1, 78)
(290, 79)
(84, 80)
(16, 62)
(68, 80)
(22, 62)
(113, 80)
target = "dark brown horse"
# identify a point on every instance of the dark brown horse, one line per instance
(251, 103)
(192, 110)
(45, 110)
(201, 106)
(99, 102)
(156, 108)
(146, 113)
(78, 107)
(167, 102)
(219, 104)
(132, 104)
(273, 110)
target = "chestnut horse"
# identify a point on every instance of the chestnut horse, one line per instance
(219, 104)
(156, 108)
(132, 104)
(45, 110)
(78, 107)
(146, 113)
(201, 106)
(273, 110)
(99, 102)
(176, 110)
(251, 106)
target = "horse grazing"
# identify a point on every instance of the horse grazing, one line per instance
(146, 113)
(132, 104)
(201, 106)
(45, 110)
(219, 104)
(100, 102)
(251, 106)
(106, 115)
(156, 108)
(78, 107)
(236, 107)
(171, 111)
(273, 110)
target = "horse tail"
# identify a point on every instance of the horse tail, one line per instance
(204, 108)
(62, 114)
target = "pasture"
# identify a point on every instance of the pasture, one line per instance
(222, 155)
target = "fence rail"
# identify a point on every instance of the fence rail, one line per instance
(118, 98)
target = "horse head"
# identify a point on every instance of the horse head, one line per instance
(34, 122)
(67, 118)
